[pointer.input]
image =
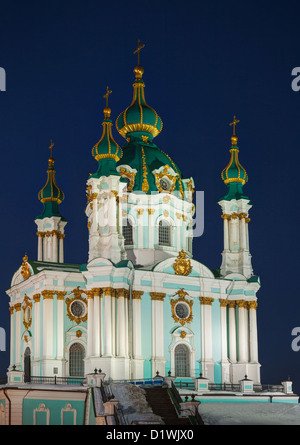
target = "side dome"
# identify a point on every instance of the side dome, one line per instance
(139, 119)
(107, 147)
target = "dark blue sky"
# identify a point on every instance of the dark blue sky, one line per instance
(204, 62)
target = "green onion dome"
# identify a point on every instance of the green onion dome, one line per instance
(51, 195)
(234, 175)
(107, 147)
(139, 119)
(234, 172)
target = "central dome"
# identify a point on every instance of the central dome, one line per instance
(139, 119)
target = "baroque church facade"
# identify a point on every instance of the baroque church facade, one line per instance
(140, 304)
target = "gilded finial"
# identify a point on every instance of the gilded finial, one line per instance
(138, 70)
(234, 138)
(107, 110)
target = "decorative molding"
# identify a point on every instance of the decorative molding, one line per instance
(27, 304)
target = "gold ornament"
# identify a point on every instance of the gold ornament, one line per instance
(182, 299)
(77, 296)
(25, 271)
(27, 312)
(182, 265)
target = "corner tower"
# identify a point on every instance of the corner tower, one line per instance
(235, 206)
(50, 223)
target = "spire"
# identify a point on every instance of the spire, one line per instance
(107, 152)
(139, 120)
(234, 175)
(51, 195)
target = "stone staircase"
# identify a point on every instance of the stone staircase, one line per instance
(161, 404)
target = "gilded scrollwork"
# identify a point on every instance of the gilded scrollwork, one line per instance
(182, 308)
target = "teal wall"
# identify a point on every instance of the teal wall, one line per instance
(55, 407)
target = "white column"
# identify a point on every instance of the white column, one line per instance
(226, 234)
(49, 246)
(54, 246)
(242, 331)
(18, 334)
(94, 328)
(223, 307)
(107, 322)
(151, 228)
(242, 223)
(206, 324)
(45, 241)
(232, 330)
(61, 247)
(90, 323)
(253, 332)
(140, 228)
(60, 325)
(40, 246)
(178, 231)
(121, 323)
(48, 324)
(247, 220)
(157, 332)
(234, 232)
(136, 323)
(12, 335)
(113, 322)
(37, 336)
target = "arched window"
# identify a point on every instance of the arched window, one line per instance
(27, 365)
(76, 363)
(127, 232)
(182, 361)
(164, 233)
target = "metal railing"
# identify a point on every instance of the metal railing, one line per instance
(54, 380)
(184, 385)
(268, 388)
(224, 387)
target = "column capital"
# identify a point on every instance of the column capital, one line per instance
(225, 216)
(223, 302)
(94, 292)
(61, 295)
(40, 234)
(241, 303)
(17, 307)
(11, 310)
(137, 294)
(109, 291)
(157, 296)
(48, 294)
(206, 300)
(231, 304)
(252, 304)
(36, 298)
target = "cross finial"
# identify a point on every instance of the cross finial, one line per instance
(233, 123)
(138, 50)
(108, 92)
(50, 147)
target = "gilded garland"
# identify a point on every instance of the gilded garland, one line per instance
(77, 307)
(27, 312)
(182, 311)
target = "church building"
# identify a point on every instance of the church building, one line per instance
(138, 304)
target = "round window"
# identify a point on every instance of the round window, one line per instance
(182, 310)
(77, 308)
(164, 184)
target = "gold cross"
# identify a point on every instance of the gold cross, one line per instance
(108, 92)
(138, 50)
(234, 122)
(51, 146)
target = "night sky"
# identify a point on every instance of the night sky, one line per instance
(204, 62)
